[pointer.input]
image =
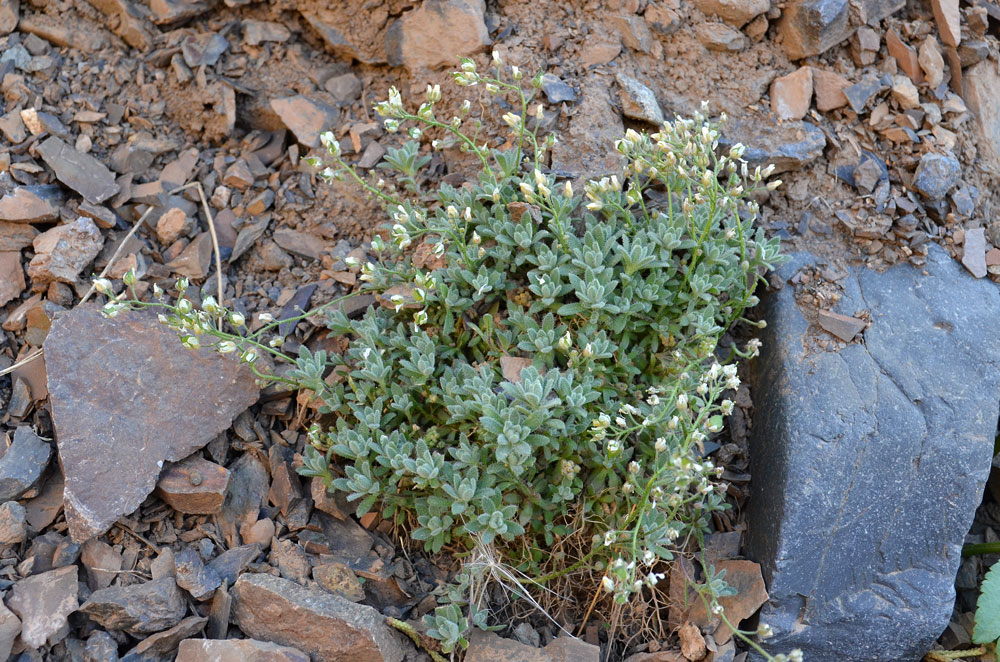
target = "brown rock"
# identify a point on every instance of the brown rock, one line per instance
(177, 173)
(237, 650)
(194, 486)
(8, 21)
(247, 491)
(931, 61)
(41, 511)
(488, 647)
(10, 627)
(596, 52)
(720, 37)
(327, 20)
(173, 11)
(101, 562)
(633, 30)
(62, 252)
(172, 225)
(163, 644)
(306, 118)
(791, 94)
(12, 523)
(993, 257)
(292, 561)
(12, 281)
(258, 32)
(905, 56)
(340, 580)
(842, 326)
(192, 575)
(414, 40)
(31, 204)
(139, 609)
(127, 23)
(745, 577)
(12, 127)
(238, 176)
(949, 21)
(196, 259)
(43, 603)
(511, 367)
(981, 83)
(974, 252)
(111, 465)
(103, 217)
(260, 533)
(905, 92)
(15, 236)
(809, 27)
(736, 13)
(586, 148)
(300, 243)
(79, 33)
(81, 172)
(326, 627)
(692, 642)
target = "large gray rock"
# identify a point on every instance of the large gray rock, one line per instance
(809, 27)
(869, 462)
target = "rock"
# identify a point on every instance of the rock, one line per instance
(247, 490)
(258, 32)
(164, 644)
(196, 258)
(974, 252)
(44, 508)
(488, 647)
(272, 257)
(8, 19)
(736, 13)
(101, 562)
(905, 92)
(166, 12)
(81, 172)
(22, 466)
(111, 465)
(744, 577)
(13, 127)
(180, 170)
(12, 281)
(10, 627)
(236, 650)
(414, 40)
(43, 603)
(172, 225)
(859, 94)
(238, 176)
(31, 204)
(102, 217)
(598, 52)
(949, 21)
(261, 203)
(260, 533)
(194, 486)
(326, 627)
(138, 609)
(936, 174)
(346, 88)
(229, 564)
(789, 146)
(720, 37)
(62, 252)
(127, 23)
(869, 439)
(292, 561)
(15, 236)
(556, 90)
(633, 31)
(692, 642)
(791, 94)
(193, 576)
(981, 82)
(905, 56)
(79, 34)
(306, 118)
(844, 327)
(929, 57)
(130, 158)
(638, 101)
(101, 647)
(586, 148)
(809, 27)
(300, 243)
(12, 523)
(203, 49)
(340, 580)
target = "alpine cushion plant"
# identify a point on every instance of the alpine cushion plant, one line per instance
(545, 364)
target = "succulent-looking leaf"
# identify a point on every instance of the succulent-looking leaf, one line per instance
(987, 628)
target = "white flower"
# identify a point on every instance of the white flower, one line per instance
(726, 407)
(162, 319)
(568, 189)
(248, 356)
(620, 421)
(609, 538)
(266, 318)
(184, 306)
(237, 319)
(607, 584)
(660, 445)
(102, 285)
(512, 120)
(352, 261)
(764, 631)
(682, 401)
(191, 342)
(226, 347)
(276, 342)
(795, 655)
(633, 467)
(210, 305)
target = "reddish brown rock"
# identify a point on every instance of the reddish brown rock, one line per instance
(340, 580)
(746, 579)
(171, 225)
(194, 486)
(720, 37)
(10, 627)
(791, 94)
(136, 367)
(949, 21)
(300, 243)
(163, 644)
(326, 627)
(905, 56)
(236, 650)
(692, 642)
(101, 562)
(306, 118)
(842, 326)
(81, 172)
(931, 61)
(488, 647)
(31, 204)
(736, 13)
(43, 603)
(8, 20)
(414, 40)
(974, 252)
(633, 30)
(12, 281)
(196, 259)
(127, 23)
(829, 89)
(62, 252)
(15, 236)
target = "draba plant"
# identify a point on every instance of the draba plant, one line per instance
(545, 363)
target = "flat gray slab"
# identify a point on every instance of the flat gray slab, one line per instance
(869, 462)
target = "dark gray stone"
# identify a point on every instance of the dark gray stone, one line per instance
(101, 648)
(193, 576)
(788, 146)
(229, 564)
(81, 172)
(139, 608)
(859, 94)
(556, 90)
(936, 175)
(23, 464)
(869, 462)
(809, 27)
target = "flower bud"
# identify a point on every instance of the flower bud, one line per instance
(103, 285)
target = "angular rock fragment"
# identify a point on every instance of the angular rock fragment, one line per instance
(720, 37)
(12, 523)
(194, 486)
(12, 281)
(43, 603)
(300, 243)
(196, 258)
(788, 146)
(736, 13)
(8, 16)
(101, 647)
(139, 608)
(638, 101)
(791, 94)
(23, 464)
(863, 522)
(489, 647)
(258, 32)
(905, 56)
(79, 34)
(10, 627)
(127, 23)
(15, 236)
(31, 204)
(633, 30)
(936, 174)
(844, 327)
(81, 172)
(981, 82)
(586, 148)
(193, 576)
(327, 26)
(306, 118)
(236, 650)
(162, 645)
(62, 252)
(96, 365)
(974, 252)
(101, 562)
(556, 90)
(326, 627)
(809, 27)
(414, 40)
(174, 11)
